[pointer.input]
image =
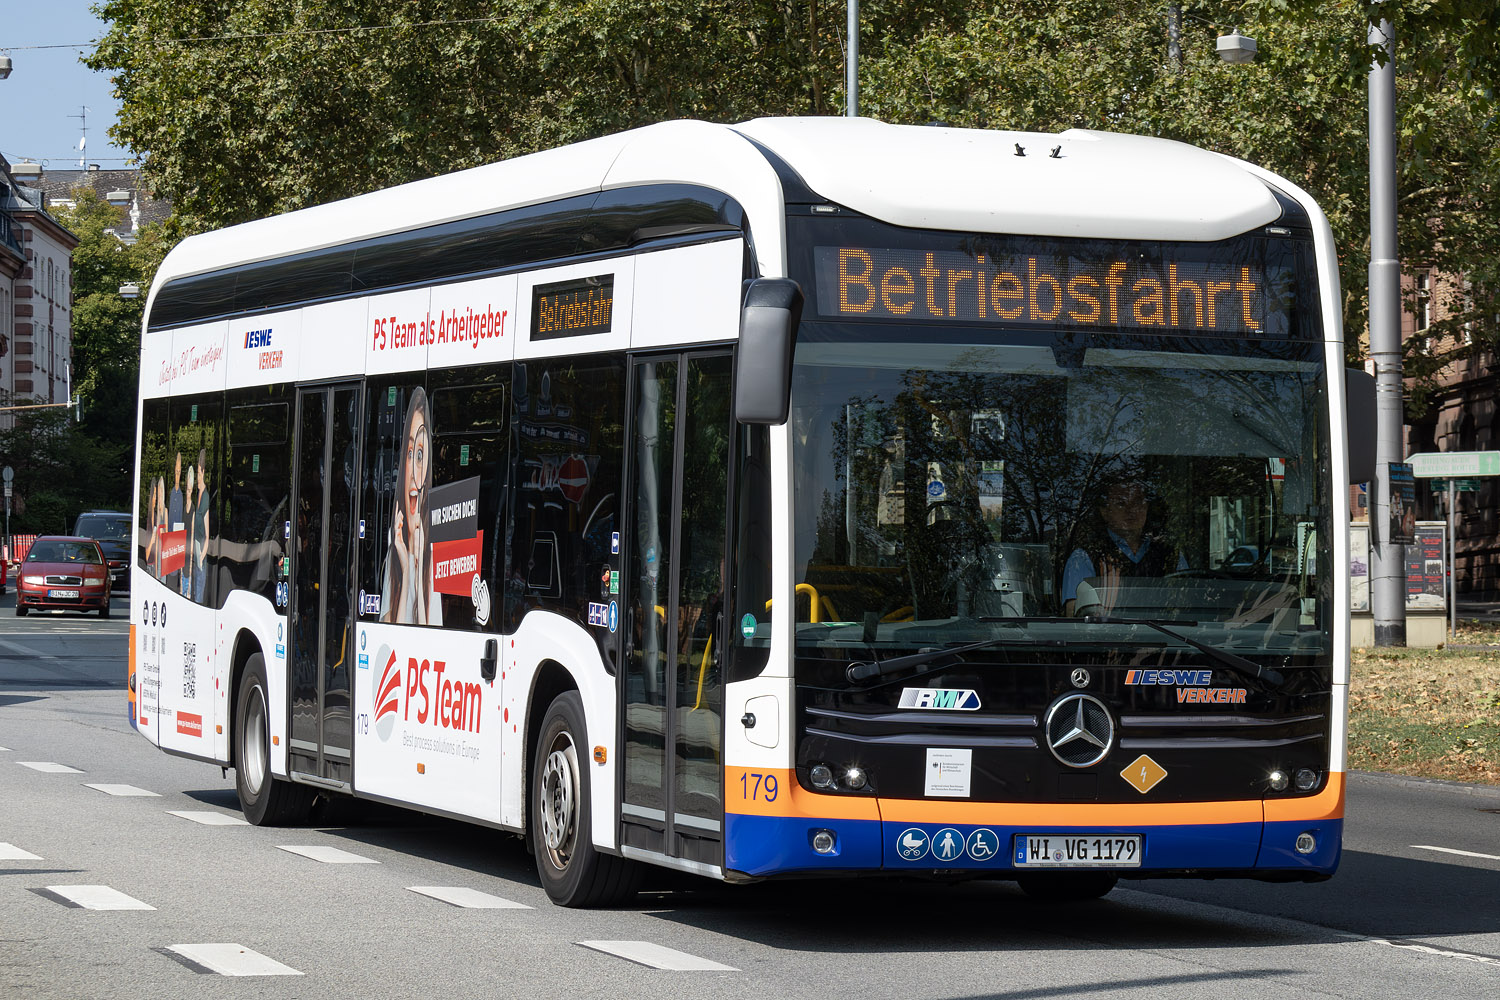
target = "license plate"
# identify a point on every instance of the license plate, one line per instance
(1056, 850)
(61, 594)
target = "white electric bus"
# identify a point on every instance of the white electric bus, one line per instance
(798, 497)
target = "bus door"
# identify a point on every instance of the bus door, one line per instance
(322, 545)
(676, 516)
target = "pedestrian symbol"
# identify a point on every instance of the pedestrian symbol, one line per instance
(947, 844)
(983, 844)
(912, 844)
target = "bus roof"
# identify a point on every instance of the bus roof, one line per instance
(1075, 183)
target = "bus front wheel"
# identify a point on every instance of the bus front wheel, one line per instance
(265, 799)
(571, 870)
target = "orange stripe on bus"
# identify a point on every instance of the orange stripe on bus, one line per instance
(1327, 804)
(747, 792)
(793, 801)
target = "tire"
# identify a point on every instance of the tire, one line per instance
(104, 611)
(571, 870)
(20, 610)
(265, 799)
(1067, 887)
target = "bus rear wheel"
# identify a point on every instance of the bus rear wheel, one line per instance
(571, 870)
(265, 799)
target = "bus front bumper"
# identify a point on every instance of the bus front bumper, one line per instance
(1278, 839)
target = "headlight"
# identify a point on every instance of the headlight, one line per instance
(35, 581)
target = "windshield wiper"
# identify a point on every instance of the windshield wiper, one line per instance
(1231, 660)
(866, 669)
(863, 670)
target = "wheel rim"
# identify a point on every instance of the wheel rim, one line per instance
(560, 800)
(253, 749)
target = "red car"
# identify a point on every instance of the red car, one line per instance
(63, 573)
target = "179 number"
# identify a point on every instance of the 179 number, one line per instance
(763, 788)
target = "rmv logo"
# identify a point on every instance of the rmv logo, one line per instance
(429, 697)
(954, 699)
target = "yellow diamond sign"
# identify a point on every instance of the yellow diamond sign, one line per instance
(1143, 773)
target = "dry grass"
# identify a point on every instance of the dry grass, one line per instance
(1433, 713)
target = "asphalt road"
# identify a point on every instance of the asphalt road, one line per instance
(1402, 918)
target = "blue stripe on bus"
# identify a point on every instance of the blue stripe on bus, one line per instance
(774, 845)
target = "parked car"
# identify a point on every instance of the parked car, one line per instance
(63, 573)
(4, 569)
(113, 530)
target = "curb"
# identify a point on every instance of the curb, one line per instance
(1440, 784)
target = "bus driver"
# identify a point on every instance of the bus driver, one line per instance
(1116, 547)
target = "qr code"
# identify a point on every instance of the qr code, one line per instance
(190, 670)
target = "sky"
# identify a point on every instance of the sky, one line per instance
(47, 86)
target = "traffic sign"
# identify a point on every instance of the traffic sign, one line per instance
(1466, 485)
(1453, 464)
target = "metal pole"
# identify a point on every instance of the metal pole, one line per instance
(851, 65)
(1174, 36)
(1388, 559)
(1452, 568)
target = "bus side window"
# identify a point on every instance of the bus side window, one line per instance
(569, 433)
(750, 629)
(256, 483)
(471, 492)
(156, 438)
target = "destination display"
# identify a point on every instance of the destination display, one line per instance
(573, 308)
(929, 286)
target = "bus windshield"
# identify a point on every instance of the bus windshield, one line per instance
(955, 479)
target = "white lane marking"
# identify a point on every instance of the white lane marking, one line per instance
(657, 957)
(10, 852)
(127, 791)
(328, 855)
(469, 898)
(1454, 850)
(231, 960)
(1427, 949)
(208, 818)
(98, 897)
(48, 767)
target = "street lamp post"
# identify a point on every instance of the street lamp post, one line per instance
(1387, 558)
(851, 64)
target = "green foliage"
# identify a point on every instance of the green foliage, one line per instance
(61, 470)
(106, 327)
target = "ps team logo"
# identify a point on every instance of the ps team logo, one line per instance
(953, 699)
(387, 692)
(420, 693)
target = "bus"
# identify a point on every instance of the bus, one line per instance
(802, 497)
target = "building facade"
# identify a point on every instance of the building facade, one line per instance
(1459, 416)
(37, 299)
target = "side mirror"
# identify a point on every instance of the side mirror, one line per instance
(1359, 402)
(768, 335)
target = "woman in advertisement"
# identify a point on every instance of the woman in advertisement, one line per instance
(406, 593)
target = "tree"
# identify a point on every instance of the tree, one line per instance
(244, 110)
(107, 327)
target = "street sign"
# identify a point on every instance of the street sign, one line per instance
(1459, 485)
(1452, 464)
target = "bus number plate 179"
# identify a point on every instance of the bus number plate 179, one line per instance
(1035, 850)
